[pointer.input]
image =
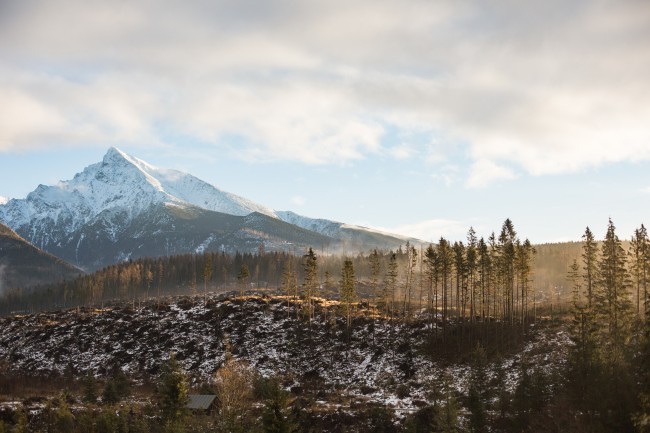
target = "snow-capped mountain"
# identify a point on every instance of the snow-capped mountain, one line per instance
(125, 184)
(123, 207)
(3, 200)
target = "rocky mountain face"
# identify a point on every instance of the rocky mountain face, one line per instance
(123, 207)
(23, 265)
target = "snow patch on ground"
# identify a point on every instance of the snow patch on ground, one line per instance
(262, 331)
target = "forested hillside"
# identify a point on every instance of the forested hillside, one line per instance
(547, 276)
(453, 337)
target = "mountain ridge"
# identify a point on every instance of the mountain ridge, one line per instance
(23, 265)
(99, 205)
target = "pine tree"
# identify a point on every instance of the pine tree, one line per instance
(390, 285)
(471, 262)
(642, 417)
(276, 418)
(431, 271)
(583, 355)
(149, 281)
(524, 254)
(447, 414)
(348, 289)
(289, 283)
(411, 261)
(172, 393)
(310, 280)
(590, 264)
(159, 284)
(109, 422)
(485, 278)
(122, 385)
(242, 279)
(89, 388)
(110, 396)
(446, 266)
(522, 397)
(207, 274)
(506, 269)
(640, 255)
(193, 280)
(375, 271)
(460, 268)
(327, 284)
(478, 393)
(612, 297)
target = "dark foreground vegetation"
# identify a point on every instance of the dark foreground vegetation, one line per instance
(449, 338)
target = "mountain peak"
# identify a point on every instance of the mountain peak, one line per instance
(117, 156)
(122, 198)
(114, 154)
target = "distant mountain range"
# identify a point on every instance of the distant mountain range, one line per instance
(124, 208)
(23, 265)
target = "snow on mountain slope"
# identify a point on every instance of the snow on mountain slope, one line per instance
(322, 226)
(120, 183)
(3, 200)
(123, 207)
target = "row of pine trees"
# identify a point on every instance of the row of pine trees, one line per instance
(608, 370)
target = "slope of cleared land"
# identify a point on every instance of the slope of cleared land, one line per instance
(387, 362)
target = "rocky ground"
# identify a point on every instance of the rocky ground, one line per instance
(379, 361)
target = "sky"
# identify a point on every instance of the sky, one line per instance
(417, 117)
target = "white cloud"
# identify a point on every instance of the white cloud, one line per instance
(328, 82)
(483, 172)
(402, 151)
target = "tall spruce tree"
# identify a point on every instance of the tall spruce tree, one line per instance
(642, 417)
(613, 295)
(640, 255)
(590, 264)
(207, 274)
(411, 262)
(375, 270)
(471, 263)
(390, 285)
(485, 278)
(524, 254)
(310, 280)
(289, 283)
(460, 275)
(431, 272)
(507, 241)
(478, 392)
(348, 289)
(584, 362)
(172, 393)
(242, 278)
(446, 267)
